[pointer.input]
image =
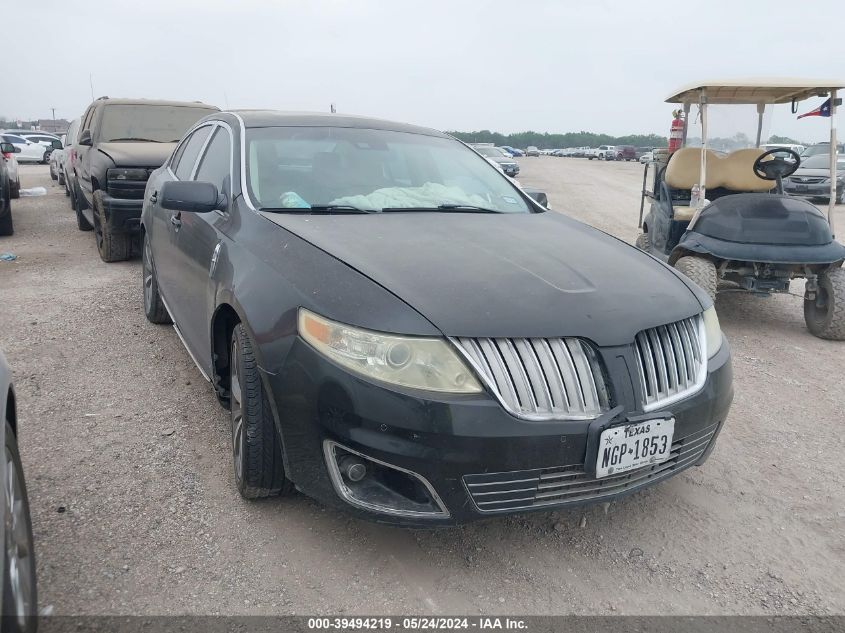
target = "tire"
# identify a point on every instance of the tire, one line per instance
(20, 592)
(643, 242)
(45, 158)
(60, 176)
(15, 189)
(256, 450)
(66, 183)
(701, 271)
(82, 222)
(153, 305)
(113, 246)
(827, 320)
(6, 226)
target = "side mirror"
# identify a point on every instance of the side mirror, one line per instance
(56, 145)
(191, 196)
(85, 138)
(8, 148)
(538, 196)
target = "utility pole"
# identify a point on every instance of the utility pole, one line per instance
(54, 120)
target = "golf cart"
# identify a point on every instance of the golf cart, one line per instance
(722, 218)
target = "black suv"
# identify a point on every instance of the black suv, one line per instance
(121, 141)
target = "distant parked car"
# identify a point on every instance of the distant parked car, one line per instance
(43, 138)
(19, 598)
(626, 152)
(30, 151)
(602, 152)
(5, 191)
(57, 157)
(12, 167)
(532, 151)
(812, 179)
(68, 157)
(506, 152)
(121, 142)
(648, 157)
(514, 151)
(507, 163)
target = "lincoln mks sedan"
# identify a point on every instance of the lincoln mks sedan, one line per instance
(399, 330)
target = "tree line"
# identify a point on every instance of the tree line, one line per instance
(545, 140)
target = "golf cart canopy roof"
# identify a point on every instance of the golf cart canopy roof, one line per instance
(755, 90)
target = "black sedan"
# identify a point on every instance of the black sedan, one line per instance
(812, 178)
(399, 330)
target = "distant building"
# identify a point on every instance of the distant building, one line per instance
(57, 126)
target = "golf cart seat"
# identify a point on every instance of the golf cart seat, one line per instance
(733, 173)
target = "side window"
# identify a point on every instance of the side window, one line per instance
(185, 162)
(86, 120)
(215, 163)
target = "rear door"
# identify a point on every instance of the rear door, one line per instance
(83, 170)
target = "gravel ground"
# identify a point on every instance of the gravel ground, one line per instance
(128, 463)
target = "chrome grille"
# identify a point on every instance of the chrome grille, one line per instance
(809, 180)
(539, 378)
(671, 361)
(525, 489)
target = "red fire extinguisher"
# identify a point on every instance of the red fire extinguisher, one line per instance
(676, 133)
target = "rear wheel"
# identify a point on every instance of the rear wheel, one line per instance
(702, 271)
(113, 246)
(825, 315)
(643, 242)
(6, 227)
(153, 305)
(256, 449)
(15, 189)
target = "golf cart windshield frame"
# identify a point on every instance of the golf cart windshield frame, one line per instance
(761, 94)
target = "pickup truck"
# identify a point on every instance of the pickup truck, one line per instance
(602, 152)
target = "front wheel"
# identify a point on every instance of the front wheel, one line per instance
(256, 449)
(643, 242)
(112, 245)
(825, 315)
(702, 271)
(20, 596)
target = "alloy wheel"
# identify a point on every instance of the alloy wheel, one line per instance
(147, 272)
(20, 562)
(236, 406)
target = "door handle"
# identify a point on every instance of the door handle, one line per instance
(176, 221)
(154, 196)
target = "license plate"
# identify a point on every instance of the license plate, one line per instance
(624, 448)
(800, 187)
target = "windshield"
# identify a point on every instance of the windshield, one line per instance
(821, 161)
(158, 123)
(374, 170)
(492, 152)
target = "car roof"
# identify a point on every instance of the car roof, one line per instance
(274, 118)
(755, 90)
(122, 101)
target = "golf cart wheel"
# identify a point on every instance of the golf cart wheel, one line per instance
(825, 315)
(643, 242)
(702, 271)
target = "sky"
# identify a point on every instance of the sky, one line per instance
(543, 65)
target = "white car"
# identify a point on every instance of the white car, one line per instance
(31, 151)
(648, 157)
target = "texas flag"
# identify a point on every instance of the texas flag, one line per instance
(822, 110)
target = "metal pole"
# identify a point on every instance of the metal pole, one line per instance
(761, 108)
(702, 178)
(642, 196)
(833, 155)
(686, 124)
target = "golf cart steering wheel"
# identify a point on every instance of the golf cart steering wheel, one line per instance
(778, 167)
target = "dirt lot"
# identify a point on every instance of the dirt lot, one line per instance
(128, 463)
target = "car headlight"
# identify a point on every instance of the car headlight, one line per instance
(122, 173)
(416, 362)
(712, 331)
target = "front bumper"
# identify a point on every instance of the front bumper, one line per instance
(458, 442)
(122, 214)
(815, 190)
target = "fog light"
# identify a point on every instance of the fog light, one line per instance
(377, 486)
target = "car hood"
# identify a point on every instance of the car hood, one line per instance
(505, 275)
(137, 154)
(500, 159)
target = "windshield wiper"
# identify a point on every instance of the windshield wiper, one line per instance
(326, 209)
(133, 138)
(464, 208)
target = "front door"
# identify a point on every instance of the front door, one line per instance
(197, 241)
